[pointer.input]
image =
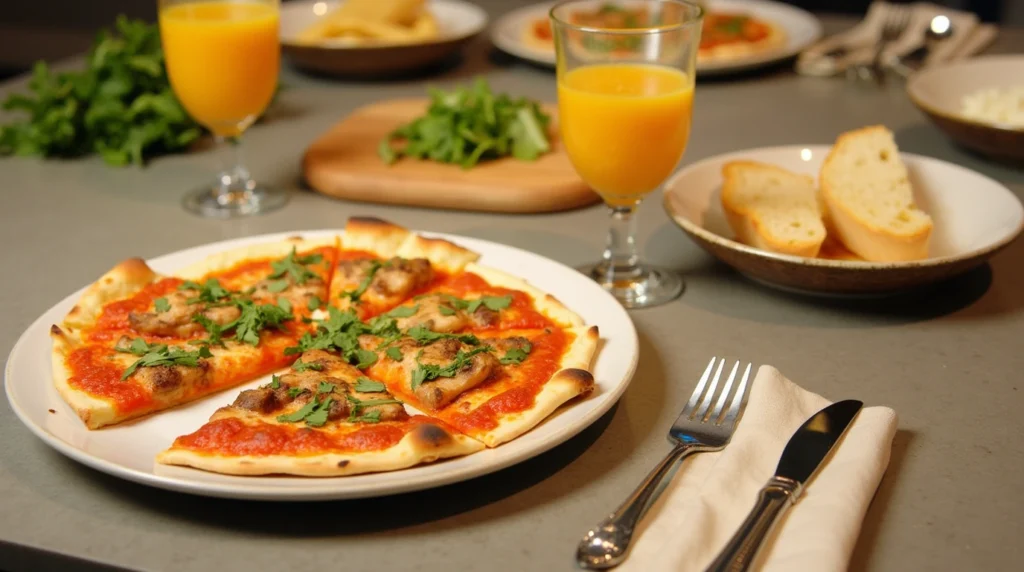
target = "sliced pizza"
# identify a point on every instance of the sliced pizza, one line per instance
(137, 342)
(322, 418)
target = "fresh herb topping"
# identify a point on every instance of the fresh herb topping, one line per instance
(403, 311)
(446, 310)
(161, 305)
(300, 366)
(363, 359)
(255, 318)
(470, 125)
(367, 385)
(284, 304)
(215, 330)
(325, 387)
(210, 291)
(313, 413)
(423, 336)
(495, 303)
(296, 391)
(395, 353)
(371, 271)
(294, 266)
(428, 372)
(277, 286)
(161, 354)
(359, 404)
(516, 355)
(314, 303)
(275, 382)
(340, 331)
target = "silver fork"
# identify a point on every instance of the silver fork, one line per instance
(697, 429)
(896, 22)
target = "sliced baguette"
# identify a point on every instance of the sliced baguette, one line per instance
(869, 203)
(772, 209)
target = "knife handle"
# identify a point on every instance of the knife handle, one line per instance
(740, 552)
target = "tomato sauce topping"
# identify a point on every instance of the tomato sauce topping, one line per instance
(250, 272)
(94, 372)
(233, 436)
(520, 314)
(112, 322)
(720, 29)
(517, 386)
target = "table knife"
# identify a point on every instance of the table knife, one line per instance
(804, 453)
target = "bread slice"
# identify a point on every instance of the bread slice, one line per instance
(772, 209)
(869, 203)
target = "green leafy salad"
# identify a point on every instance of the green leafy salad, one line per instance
(470, 125)
(120, 106)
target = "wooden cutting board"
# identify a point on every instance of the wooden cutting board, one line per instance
(343, 163)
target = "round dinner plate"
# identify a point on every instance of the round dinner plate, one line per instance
(128, 450)
(939, 92)
(801, 27)
(973, 216)
(458, 22)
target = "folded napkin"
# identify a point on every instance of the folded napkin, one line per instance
(857, 46)
(712, 493)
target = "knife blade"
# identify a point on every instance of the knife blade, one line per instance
(809, 446)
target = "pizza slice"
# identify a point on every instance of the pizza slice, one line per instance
(137, 342)
(322, 418)
(383, 264)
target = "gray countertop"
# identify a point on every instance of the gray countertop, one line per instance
(946, 358)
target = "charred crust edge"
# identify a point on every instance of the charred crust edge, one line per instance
(431, 435)
(56, 332)
(343, 463)
(580, 377)
(369, 222)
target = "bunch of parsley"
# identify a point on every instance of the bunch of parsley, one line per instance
(120, 106)
(469, 125)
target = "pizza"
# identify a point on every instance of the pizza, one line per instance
(724, 35)
(386, 349)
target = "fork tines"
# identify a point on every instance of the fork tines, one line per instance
(697, 408)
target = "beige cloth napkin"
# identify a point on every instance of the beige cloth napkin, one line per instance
(712, 493)
(857, 45)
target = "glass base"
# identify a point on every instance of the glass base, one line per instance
(642, 287)
(254, 199)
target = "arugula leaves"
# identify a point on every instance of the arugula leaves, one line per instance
(160, 354)
(469, 125)
(428, 372)
(367, 385)
(371, 271)
(294, 266)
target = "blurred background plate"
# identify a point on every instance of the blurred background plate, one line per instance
(974, 217)
(458, 23)
(939, 92)
(802, 29)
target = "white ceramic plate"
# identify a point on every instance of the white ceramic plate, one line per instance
(974, 216)
(939, 92)
(458, 22)
(802, 29)
(127, 450)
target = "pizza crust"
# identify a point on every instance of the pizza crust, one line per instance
(545, 303)
(442, 254)
(94, 412)
(426, 443)
(121, 281)
(226, 260)
(571, 380)
(373, 235)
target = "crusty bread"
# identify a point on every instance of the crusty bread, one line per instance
(869, 204)
(772, 209)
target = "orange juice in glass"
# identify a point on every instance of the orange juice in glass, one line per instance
(223, 59)
(625, 103)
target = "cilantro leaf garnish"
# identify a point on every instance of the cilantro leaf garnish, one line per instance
(313, 413)
(367, 385)
(210, 291)
(294, 266)
(371, 417)
(319, 416)
(358, 405)
(423, 336)
(215, 330)
(296, 391)
(364, 283)
(160, 354)
(161, 305)
(255, 318)
(446, 310)
(314, 303)
(469, 306)
(277, 286)
(284, 304)
(395, 353)
(300, 366)
(275, 382)
(516, 355)
(403, 311)
(363, 358)
(325, 387)
(428, 372)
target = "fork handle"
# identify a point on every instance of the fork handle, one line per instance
(617, 529)
(774, 498)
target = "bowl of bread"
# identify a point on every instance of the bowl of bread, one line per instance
(855, 218)
(376, 38)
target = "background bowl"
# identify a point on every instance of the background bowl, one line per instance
(939, 93)
(974, 217)
(458, 21)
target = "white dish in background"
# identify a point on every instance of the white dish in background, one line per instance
(458, 22)
(127, 450)
(940, 91)
(974, 217)
(802, 29)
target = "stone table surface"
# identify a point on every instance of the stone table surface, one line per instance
(947, 358)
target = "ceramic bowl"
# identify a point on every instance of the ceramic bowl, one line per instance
(459, 22)
(939, 93)
(974, 217)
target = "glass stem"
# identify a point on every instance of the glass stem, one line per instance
(620, 261)
(234, 184)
